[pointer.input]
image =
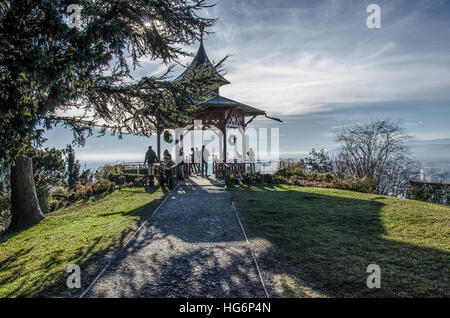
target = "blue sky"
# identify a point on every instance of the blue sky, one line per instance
(316, 65)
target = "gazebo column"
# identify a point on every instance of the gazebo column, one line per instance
(220, 146)
(225, 144)
(158, 145)
(244, 146)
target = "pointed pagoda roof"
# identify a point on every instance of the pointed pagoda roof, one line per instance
(216, 100)
(201, 59)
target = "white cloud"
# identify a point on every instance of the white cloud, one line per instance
(431, 135)
(301, 58)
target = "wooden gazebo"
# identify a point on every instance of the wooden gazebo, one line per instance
(222, 112)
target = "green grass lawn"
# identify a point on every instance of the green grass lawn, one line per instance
(324, 239)
(33, 262)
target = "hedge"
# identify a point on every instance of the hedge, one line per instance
(430, 192)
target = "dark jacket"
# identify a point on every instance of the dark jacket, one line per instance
(150, 157)
(205, 155)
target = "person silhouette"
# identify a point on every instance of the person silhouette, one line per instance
(150, 159)
(167, 163)
(181, 164)
(251, 160)
(193, 162)
(198, 157)
(205, 159)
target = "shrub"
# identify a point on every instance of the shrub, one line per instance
(62, 196)
(58, 204)
(288, 168)
(247, 178)
(72, 197)
(89, 192)
(5, 202)
(121, 180)
(60, 191)
(267, 178)
(293, 175)
(112, 187)
(102, 185)
(430, 192)
(229, 181)
(140, 182)
(324, 177)
(5, 212)
(257, 178)
(80, 192)
(354, 183)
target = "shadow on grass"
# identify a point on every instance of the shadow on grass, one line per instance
(90, 259)
(322, 242)
(325, 243)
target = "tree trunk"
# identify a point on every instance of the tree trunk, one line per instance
(24, 202)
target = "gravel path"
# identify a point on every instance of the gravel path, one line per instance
(193, 247)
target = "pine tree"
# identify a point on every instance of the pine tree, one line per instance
(73, 168)
(48, 68)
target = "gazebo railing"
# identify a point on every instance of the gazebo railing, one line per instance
(141, 169)
(221, 169)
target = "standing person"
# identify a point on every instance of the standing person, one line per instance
(205, 158)
(181, 165)
(150, 159)
(167, 162)
(251, 159)
(193, 164)
(198, 157)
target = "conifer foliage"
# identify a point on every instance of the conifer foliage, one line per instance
(48, 68)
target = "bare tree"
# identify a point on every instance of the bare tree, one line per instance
(376, 150)
(317, 162)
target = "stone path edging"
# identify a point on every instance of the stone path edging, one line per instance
(250, 249)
